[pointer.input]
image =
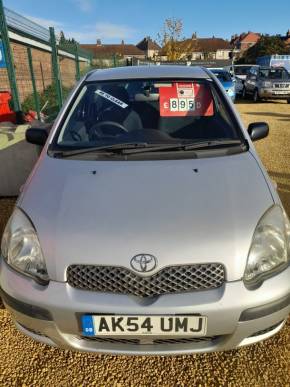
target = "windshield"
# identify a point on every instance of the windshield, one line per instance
(146, 111)
(242, 70)
(223, 76)
(274, 73)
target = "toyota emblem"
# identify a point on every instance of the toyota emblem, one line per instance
(143, 263)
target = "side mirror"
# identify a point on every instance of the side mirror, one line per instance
(258, 130)
(37, 136)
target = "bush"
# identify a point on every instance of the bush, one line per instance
(47, 98)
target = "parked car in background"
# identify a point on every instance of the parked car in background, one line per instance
(239, 85)
(139, 231)
(241, 71)
(267, 83)
(226, 80)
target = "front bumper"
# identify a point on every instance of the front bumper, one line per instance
(274, 93)
(236, 316)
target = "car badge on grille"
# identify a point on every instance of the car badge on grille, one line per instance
(143, 263)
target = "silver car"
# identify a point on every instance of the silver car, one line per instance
(148, 225)
(267, 83)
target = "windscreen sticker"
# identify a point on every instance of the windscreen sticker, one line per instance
(112, 98)
(185, 99)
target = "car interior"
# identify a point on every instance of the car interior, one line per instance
(97, 120)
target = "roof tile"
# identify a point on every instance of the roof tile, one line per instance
(101, 50)
(148, 44)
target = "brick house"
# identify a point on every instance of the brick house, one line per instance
(245, 40)
(204, 49)
(105, 51)
(210, 48)
(150, 48)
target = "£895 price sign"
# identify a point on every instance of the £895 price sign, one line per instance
(181, 104)
(185, 99)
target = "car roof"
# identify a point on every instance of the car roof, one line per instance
(219, 70)
(150, 72)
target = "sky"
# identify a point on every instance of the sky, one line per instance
(131, 20)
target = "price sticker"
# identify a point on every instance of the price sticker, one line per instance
(185, 99)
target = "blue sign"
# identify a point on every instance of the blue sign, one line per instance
(2, 56)
(88, 325)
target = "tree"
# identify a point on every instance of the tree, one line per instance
(62, 38)
(267, 45)
(173, 45)
(63, 41)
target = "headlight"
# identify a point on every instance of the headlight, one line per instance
(266, 84)
(21, 249)
(269, 252)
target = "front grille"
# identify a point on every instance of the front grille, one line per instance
(171, 279)
(184, 340)
(111, 340)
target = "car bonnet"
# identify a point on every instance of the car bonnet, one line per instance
(180, 211)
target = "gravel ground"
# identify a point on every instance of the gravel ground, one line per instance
(24, 362)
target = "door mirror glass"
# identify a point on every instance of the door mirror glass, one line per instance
(258, 130)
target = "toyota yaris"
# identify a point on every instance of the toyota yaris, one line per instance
(148, 225)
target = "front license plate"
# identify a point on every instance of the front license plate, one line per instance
(281, 92)
(124, 325)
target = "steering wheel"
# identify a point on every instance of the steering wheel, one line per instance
(99, 132)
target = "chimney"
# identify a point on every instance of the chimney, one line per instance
(99, 43)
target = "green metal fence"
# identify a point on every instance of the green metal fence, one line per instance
(40, 68)
(109, 61)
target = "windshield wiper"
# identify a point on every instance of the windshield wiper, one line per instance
(142, 147)
(186, 146)
(212, 143)
(112, 148)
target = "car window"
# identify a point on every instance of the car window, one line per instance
(241, 70)
(253, 71)
(151, 111)
(223, 76)
(273, 73)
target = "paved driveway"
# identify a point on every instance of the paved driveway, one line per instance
(17, 158)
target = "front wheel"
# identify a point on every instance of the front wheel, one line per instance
(256, 97)
(288, 100)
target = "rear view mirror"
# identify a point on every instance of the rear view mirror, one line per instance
(258, 130)
(37, 136)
